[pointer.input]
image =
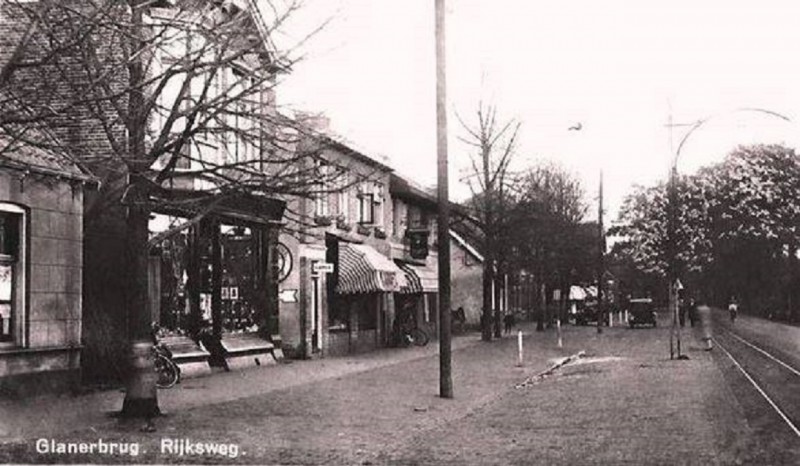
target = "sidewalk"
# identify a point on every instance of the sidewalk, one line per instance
(49, 414)
(625, 403)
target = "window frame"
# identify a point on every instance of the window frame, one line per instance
(366, 205)
(20, 274)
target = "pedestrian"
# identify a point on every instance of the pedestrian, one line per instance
(733, 308)
(692, 312)
(704, 317)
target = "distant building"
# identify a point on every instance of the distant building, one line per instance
(466, 277)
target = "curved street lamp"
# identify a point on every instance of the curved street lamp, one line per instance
(672, 220)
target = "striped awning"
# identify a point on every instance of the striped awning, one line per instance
(421, 279)
(362, 269)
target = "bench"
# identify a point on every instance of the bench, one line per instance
(191, 357)
(247, 349)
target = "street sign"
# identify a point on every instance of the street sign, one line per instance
(678, 285)
(322, 267)
(288, 296)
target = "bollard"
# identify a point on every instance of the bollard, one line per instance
(519, 348)
(558, 330)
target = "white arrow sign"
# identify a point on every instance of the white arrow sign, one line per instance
(288, 296)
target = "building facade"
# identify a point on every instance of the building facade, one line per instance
(338, 281)
(41, 270)
(414, 233)
(466, 278)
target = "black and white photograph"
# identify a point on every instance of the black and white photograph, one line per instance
(400, 232)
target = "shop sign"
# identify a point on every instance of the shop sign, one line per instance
(322, 267)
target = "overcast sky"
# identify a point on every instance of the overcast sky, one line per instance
(615, 66)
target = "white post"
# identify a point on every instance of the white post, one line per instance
(610, 319)
(558, 330)
(519, 348)
(505, 293)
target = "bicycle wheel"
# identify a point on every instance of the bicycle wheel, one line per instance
(167, 372)
(419, 337)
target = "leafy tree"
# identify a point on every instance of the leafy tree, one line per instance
(493, 144)
(546, 231)
(737, 227)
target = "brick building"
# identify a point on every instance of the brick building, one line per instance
(350, 306)
(41, 265)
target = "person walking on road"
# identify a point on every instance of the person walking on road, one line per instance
(704, 317)
(733, 308)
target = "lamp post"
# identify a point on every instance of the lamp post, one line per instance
(673, 274)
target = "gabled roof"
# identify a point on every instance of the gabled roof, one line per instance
(21, 156)
(404, 189)
(463, 243)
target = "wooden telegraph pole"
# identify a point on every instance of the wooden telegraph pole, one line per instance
(601, 241)
(443, 230)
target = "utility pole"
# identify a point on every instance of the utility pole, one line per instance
(672, 247)
(600, 258)
(445, 360)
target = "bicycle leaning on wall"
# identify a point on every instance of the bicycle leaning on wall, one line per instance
(167, 370)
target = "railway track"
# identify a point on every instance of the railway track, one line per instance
(771, 389)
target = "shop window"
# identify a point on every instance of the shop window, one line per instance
(12, 269)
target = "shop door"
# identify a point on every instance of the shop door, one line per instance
(316, 314)
(240, 299)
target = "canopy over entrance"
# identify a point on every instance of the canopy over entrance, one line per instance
(362, 269)
(420, 278)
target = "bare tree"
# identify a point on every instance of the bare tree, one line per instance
(493, 144)
(153, 95)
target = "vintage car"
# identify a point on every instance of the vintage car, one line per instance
(641, 311)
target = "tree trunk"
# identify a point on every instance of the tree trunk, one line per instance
(486, 315)
(141, 398)
(141, 395)
(498, 317)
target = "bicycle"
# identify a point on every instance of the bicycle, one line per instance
(168, 373)
(414, 336)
